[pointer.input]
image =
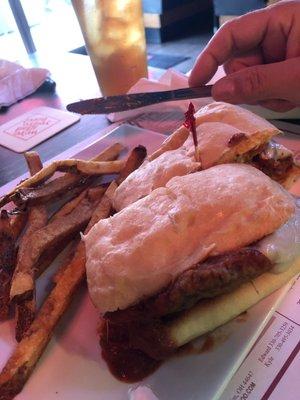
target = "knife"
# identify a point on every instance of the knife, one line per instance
(106, 105)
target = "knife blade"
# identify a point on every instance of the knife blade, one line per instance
(106, 105)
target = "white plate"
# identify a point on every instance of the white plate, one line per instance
(72, 369)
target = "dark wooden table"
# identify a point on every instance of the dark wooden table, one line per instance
(75, 80)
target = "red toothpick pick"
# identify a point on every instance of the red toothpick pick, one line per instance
(190, 123)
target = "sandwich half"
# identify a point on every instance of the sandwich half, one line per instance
(226, 134)
(186, 259)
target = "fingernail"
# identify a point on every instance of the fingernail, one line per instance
(224, 90)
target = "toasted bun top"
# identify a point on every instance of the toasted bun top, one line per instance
(238, 117)
(140, 250)
(217, 124)
(154, 174)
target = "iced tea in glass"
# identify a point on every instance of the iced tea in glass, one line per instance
(114, 34)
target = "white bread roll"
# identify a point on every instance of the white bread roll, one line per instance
(238, 117)
(216, 124)
(140, 250)
(154, 174)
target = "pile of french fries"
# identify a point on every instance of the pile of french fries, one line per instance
(49, 213)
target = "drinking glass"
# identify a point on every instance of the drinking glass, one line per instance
(114, 34)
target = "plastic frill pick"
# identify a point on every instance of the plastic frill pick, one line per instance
(190, 123)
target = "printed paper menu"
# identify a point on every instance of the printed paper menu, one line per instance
(271, 369)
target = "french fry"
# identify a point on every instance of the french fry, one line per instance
(5, 199)
(110, 153)
(7, 262)
(173, 142)
(67, 183)
(17, 223)
(37, 219)
(103, 206)
(89, 167)
(21, 363)
(134, 160)
(33, 161)
(24, 316)
(72, 166)
(69, 206)
(49, 239)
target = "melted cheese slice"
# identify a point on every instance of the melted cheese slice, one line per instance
(283, 246)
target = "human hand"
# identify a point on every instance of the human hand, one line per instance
(261, 56)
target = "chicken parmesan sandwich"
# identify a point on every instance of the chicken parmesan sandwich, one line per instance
(187, 258)
(225, 134)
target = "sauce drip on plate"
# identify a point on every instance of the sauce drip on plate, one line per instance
(124, 362)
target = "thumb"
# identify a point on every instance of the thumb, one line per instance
(261, 82)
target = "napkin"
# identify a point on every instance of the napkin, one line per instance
(17, 82)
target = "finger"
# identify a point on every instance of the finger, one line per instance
(247, 60)
(232, 66)
(277, 105)
(237, 36)
(262, 82)
(293, 44)
(274, 44)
